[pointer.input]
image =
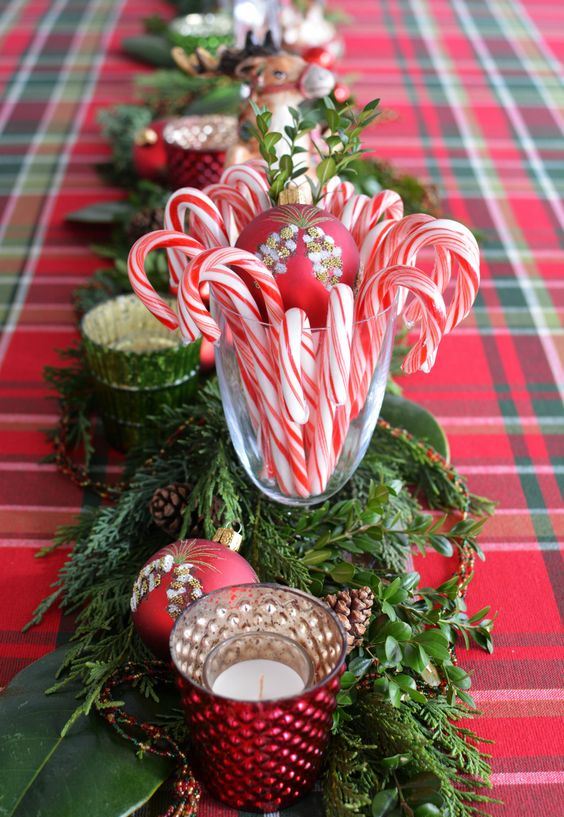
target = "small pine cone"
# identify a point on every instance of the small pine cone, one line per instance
(353, 608)
(145, 221)
(167, 506)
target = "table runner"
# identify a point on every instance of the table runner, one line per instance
(473, 101)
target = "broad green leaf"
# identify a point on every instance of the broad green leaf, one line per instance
(90, 772)
(360, 665)
(348, 679)
(384, 802)
(326, 169)
(149, 48)
(427, 810)
(393, 650)
(103, 212)
(342, 573)
(435, 644)
(418, 421)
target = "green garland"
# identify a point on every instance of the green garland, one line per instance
(402, 681)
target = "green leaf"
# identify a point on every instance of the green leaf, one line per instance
(149, 48)
(441, 544)
(360, 665)
(418, 421)
(384, 802)
(435, 644)
(392, 650)
(103, 212)
(315, 557)
(427, 810)
(342, 572)
(91, 769)
(325, 170)
(348, 679)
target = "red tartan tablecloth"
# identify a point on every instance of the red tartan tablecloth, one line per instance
(474, 103)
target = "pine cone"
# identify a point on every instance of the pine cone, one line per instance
(167, 506)
(353, 607)
(145, 221)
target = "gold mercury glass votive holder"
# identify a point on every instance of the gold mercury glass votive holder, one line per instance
(196, 147)
(138, 366)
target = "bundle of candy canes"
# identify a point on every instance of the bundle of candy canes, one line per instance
(304, 387)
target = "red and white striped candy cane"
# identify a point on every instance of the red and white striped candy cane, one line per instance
(384, 239)
(447, 238)
(206, 225)
(336, 194)
(335, 362)
(286, 444)
(235, 209)
(291, 351)
(250, 180)
(186, 247)
(382, 288)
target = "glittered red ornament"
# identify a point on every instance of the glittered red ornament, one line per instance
(341, 92)
(149, 152)
(308, 250)
(319, 56)
(173, 578)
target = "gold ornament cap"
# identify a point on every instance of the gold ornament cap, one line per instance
(146, 137)
(296, 194)
(230, 537)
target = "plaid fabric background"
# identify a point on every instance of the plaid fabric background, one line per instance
(474, 98)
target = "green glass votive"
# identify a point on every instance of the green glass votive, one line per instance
(208, 31)
(138, 366)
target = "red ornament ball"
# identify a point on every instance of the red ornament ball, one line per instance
(342, 93)
(308, 250)
(149, 153)
(175, 577)
(319, 56)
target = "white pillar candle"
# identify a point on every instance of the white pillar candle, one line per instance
(258, 679)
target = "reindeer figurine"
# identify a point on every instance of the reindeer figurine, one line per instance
(278, 81)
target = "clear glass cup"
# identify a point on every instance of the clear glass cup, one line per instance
(349, 426)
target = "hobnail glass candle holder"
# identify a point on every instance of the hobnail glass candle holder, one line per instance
(137, 365)
(258, 755)
(353, 426)
(196, 147)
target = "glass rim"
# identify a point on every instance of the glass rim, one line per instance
(88, 335)
(273, 585)
(268, 325)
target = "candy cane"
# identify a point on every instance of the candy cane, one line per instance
(251, 182)
(285, 439)
(186, 247)
(291, 351)
(254, 268)
(235, 209)
(336, 194)
(335, 359)
(207, 225)
(446, 236)
(382, 288)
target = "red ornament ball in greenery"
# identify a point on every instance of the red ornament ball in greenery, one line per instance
(308, 250)
(342, 93)
(175, 577)
(149, 153)
(319, 56)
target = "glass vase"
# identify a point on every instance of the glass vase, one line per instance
(333, 441)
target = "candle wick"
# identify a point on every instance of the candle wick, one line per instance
(261, 686)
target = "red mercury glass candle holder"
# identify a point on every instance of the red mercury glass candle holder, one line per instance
(260, 754)
(196, 147)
